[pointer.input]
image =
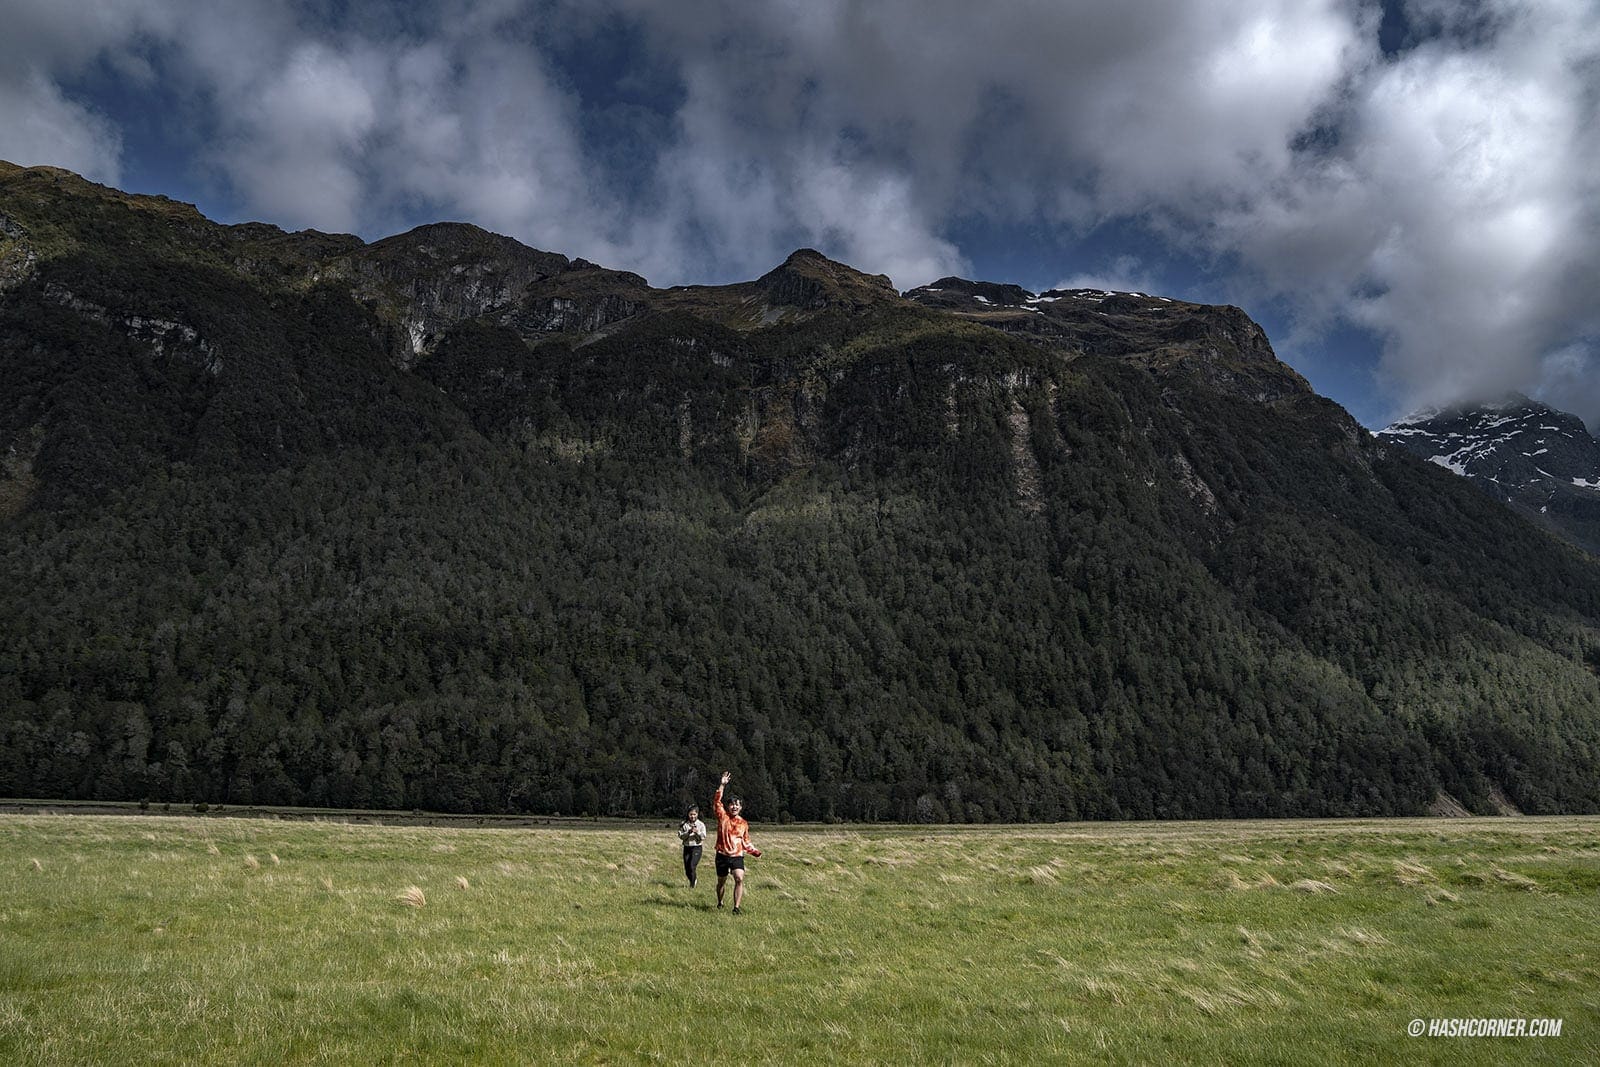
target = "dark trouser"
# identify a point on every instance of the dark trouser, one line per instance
(691, 860)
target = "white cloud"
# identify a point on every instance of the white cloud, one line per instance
(868, 217)
(297, 139)
(1572, 374)
(1456, 218)
(996, 111)
(489, 133)
(1475, 163)
(39, 125)
(369, 130)
(737, 204)
(1124, 274)
(40, 43)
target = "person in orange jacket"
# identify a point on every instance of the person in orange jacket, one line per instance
(733, 843)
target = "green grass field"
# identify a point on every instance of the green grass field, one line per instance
(134, 940)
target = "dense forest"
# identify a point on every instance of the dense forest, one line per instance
(882, 561)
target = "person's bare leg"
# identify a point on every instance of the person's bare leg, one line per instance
(722, 880)
(738, 889)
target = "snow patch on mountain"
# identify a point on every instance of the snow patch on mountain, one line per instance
(1541, 461)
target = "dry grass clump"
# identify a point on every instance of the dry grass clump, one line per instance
(273, 856)
(37, 865)
(1103, 987)
(212, 849)
(1358, 936)
(1439, 894)
(251, 863)
(1515, 880)
(462, 883)
(888, 861)
(1409, 872)
(1312, 885)
(411, 896)
(1498, 874)
(1042, 875)
(1229, 998)
(1229, 879)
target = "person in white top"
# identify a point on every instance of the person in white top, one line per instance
(693, 835)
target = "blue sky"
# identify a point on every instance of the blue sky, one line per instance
(1406, 194)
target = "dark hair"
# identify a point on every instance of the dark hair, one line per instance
(694, 809)
(737, 800)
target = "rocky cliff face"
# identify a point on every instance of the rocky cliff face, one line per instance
(1155, 333)
(17, 256)
(1541, 461)
(426, 281)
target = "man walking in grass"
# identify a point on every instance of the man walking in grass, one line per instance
(733, 843)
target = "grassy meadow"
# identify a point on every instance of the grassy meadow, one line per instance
(134, 940)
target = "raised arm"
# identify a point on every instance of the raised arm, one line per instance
(716, 802)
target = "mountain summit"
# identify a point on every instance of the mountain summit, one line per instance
(1541, 461)
(442, 521)
(810, 281)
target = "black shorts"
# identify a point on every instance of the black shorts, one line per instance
(728, 863)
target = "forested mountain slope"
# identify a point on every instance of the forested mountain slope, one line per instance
(441, 521)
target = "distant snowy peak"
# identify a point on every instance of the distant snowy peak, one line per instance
(1516, 442)
(1541, 461)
